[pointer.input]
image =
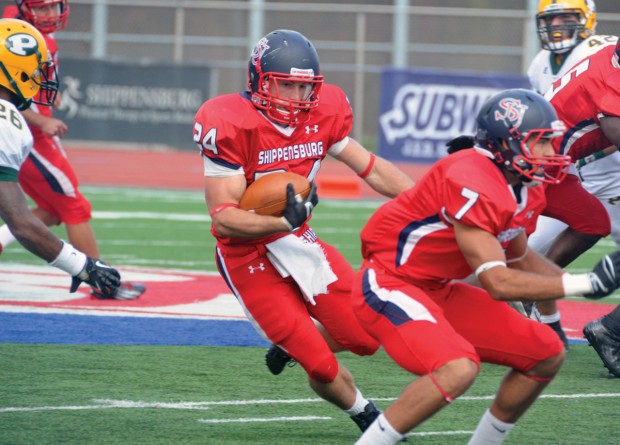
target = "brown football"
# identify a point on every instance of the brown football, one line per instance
(267, 195)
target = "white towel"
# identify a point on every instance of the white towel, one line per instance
(305, 262)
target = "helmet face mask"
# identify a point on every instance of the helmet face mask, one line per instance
(45, 15)
(26, 68)
(283, 64)
(510, 124)
(577, 22)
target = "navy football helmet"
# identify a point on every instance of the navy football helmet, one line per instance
(511, 122)
(284, 56)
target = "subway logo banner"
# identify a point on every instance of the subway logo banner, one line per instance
(422, 109)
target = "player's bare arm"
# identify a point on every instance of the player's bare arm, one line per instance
(611, 128)
(30, 232)
(48, 125)
(222, 196)
(520, 257)
(383, 176)
(486, 257)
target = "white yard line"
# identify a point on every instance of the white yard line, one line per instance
(137, 404)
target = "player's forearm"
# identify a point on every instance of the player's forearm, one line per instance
(233, 223)
(35, 237)
(33, 118)
(509, 285)
(388, 179)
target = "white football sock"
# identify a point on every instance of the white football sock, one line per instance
(490, 431)
(380, 432)
(6, 237)
(547, 319)
(359, 404)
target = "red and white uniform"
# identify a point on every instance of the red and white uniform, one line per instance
(585, 203)
(589, 91)
(47, 176)
(544, 70)
(237, 139)
(404, 295)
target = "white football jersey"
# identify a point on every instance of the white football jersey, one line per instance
(15, 137)
(543, 70)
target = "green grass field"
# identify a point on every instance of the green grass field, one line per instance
(125, 395)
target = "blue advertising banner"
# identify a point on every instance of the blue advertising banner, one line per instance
(125, 101)
(422, 109)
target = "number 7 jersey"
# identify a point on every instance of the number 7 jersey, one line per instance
(412, 236)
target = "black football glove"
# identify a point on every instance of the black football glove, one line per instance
(100, 276)
(460, 143)
(296, 212)
(605, 277)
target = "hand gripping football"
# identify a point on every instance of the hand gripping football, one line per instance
(267, 195)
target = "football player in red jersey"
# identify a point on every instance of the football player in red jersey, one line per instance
(569, 227)
(46, 176)
(470, 213)
(283, 275)
(587, 99)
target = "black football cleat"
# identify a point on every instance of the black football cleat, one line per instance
(276, 359)
(606, 343)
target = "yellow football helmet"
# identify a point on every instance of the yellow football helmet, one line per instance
(26, 67)
(564, 35)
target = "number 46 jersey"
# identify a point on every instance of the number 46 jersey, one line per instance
(412, 236)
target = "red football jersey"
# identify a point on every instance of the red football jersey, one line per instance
(412, 237)
(230, 131)
(581, 97)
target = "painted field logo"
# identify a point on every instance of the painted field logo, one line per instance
(180, 294)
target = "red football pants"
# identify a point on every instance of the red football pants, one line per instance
(278, 310)
(424, 329)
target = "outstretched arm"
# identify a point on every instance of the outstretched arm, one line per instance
(383, 176)
(38, 239)
(27, 229)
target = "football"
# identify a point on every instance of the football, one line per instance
(267, 195)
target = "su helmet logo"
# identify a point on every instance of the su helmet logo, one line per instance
(511, 113)
(259, 50)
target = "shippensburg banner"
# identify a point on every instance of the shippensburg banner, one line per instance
(131, 102)
(422, 109)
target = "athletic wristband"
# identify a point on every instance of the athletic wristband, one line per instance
(576, 285)
(591, 158)
(69, 260)
(488, 265)
(369, 167)
(221, 207)
(288, 224)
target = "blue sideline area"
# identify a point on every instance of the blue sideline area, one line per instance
(88, 329)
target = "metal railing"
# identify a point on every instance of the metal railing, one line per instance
(355, 41)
